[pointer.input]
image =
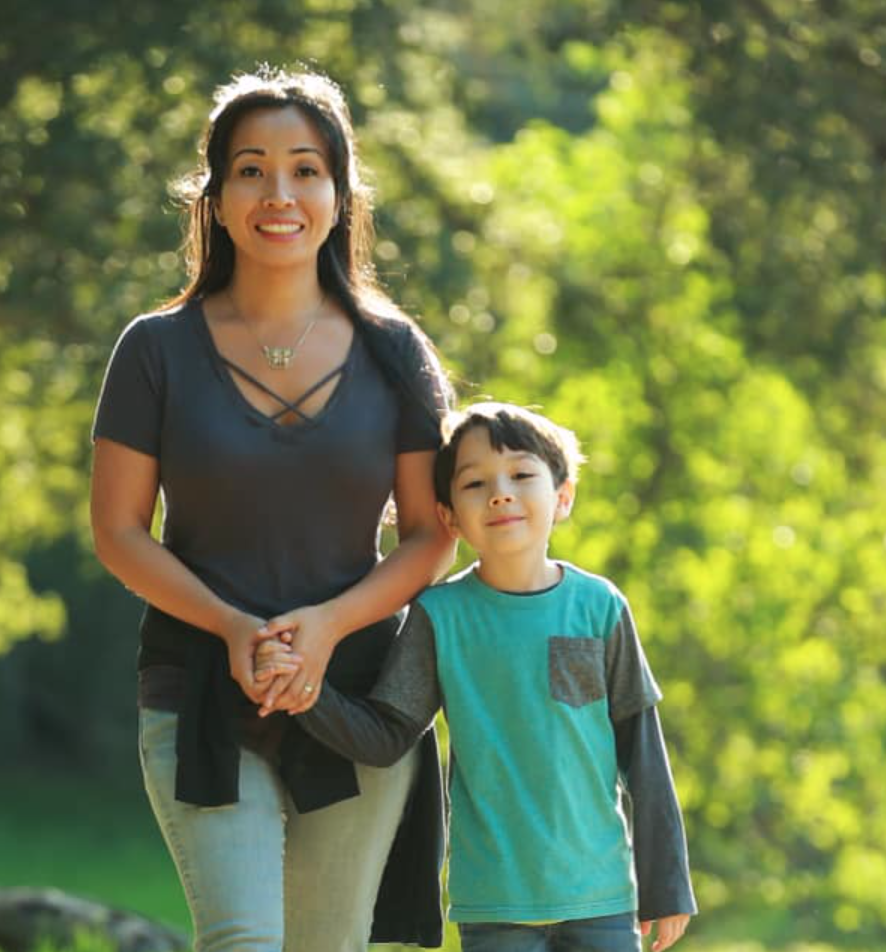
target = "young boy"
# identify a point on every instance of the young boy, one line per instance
(551, 711)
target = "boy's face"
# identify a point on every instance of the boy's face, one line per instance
(503, 503)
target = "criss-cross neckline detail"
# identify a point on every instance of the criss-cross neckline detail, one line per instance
(227, 368)
(287, 405)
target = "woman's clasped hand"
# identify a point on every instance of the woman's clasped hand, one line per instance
(291, 659)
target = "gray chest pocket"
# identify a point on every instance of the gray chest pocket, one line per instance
(576, 670)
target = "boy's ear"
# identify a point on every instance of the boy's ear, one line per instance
(565, 499)
(447, 517)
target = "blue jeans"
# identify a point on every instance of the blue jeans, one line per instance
(258, 876)
(602, 934)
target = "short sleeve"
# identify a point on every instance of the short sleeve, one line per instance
(630, 684)
(422, 409)
(408, 680)
(129, 409)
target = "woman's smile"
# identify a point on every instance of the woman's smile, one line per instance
(280, 229)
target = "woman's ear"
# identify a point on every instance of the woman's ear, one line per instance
(447, 517)
(217, 213)
(565, 499)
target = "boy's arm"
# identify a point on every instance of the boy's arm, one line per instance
(361, 730)
(659, 842)
(380, 729)
(660, 854)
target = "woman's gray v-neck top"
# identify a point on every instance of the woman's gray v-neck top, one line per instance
(270, 517)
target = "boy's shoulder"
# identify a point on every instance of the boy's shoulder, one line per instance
(592, 584)
(595, 596)
(454, 588)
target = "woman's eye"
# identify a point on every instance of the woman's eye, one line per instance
(306, 171)
(249, 171)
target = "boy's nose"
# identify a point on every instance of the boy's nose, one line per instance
(499, 496)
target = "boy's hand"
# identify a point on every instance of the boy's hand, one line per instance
(275, 657)
(670, 929)
(314, 635)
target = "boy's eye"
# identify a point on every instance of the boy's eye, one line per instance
(524, 475)
(473, 484)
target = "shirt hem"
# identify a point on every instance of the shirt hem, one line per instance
(558, 913)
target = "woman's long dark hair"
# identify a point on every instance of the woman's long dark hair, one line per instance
(345, 268)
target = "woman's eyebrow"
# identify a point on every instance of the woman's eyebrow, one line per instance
(255, 150)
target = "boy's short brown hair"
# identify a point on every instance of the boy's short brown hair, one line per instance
(514, 427)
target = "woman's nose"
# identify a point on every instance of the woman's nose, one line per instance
(279, 192)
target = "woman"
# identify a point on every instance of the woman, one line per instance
(277, 403)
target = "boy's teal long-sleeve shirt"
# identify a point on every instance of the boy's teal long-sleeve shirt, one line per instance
(551, 711)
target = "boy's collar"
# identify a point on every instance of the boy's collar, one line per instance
(561, 574)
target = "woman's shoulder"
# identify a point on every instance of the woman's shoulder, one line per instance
(380, 312)
(396, 325)
(164, 322)
(409, 355)
(155, 331)
(411, 343)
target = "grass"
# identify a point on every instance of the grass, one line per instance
(97, 840)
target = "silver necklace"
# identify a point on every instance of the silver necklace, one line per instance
(278, 358)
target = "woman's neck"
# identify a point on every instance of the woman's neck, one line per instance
(276, 296)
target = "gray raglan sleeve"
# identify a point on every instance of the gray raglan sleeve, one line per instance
(380, 729)
(629, 681)
(661, 857)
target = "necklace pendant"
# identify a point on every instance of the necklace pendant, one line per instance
(279, 357)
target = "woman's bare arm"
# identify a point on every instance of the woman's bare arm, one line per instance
(125, 484)
(424, 552)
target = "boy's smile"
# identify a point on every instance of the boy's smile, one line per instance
(504, 504)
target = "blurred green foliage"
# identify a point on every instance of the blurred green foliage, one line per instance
(661, 222)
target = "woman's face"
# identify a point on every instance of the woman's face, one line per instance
(277, 200)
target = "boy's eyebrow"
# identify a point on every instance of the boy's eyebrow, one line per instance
(255, 150)
(525, 454)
